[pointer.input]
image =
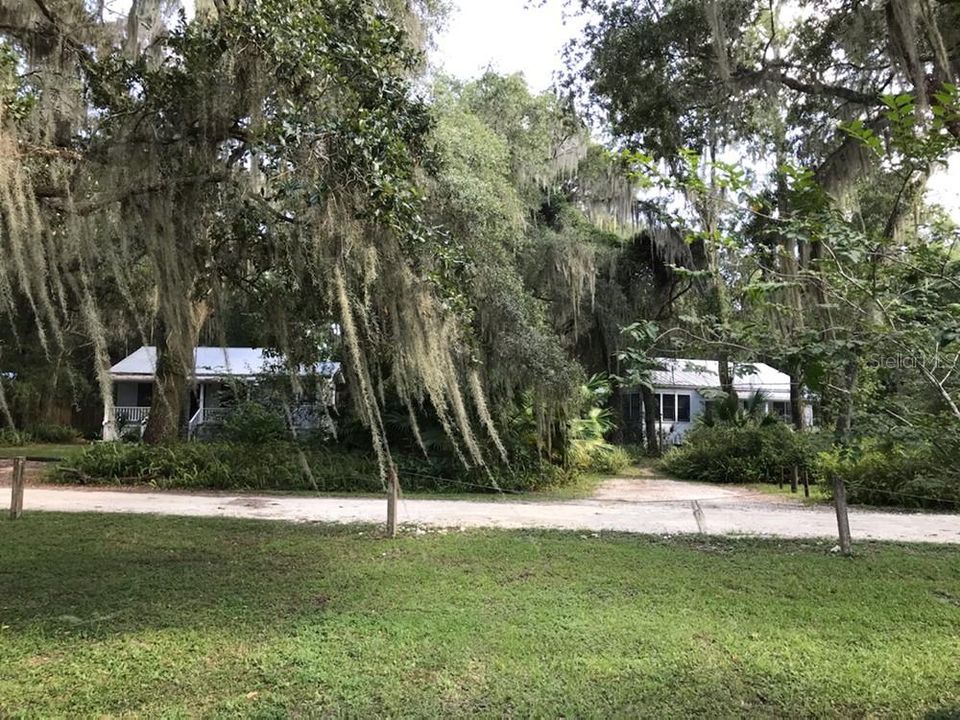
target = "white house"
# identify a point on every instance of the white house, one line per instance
(683, 387)
(218, 373)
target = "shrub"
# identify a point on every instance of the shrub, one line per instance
(252, 422)
(598, 457)
(10, 437)
(52, 433)
(748, 453)
(875, 472)
(282, 465)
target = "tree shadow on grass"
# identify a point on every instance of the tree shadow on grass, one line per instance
(947, 713)
(129, 573)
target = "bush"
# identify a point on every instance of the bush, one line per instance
(252, 422)
(598, 457)
(875, 472)
(749, 453)
(10, 437)
(51, 433)
(280, 465)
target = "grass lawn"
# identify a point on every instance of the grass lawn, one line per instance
(40, 450)
(138, 616)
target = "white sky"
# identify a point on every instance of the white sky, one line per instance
(506, 36)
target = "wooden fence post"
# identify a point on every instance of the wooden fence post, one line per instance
(806, 483)
(843, 518)
(794, 478)
(781, 478)
(16, 489)
(393, 491)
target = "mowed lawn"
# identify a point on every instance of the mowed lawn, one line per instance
(40, 450)
(137, 616)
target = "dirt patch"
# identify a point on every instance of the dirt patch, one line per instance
(648, 486)
(33, 475)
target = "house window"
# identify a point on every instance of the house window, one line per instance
(144, 394)
(781, 408)
(673, 406)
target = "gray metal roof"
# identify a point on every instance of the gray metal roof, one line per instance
(701, 374)
(216, 362)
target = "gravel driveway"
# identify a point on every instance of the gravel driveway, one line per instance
(639, 505)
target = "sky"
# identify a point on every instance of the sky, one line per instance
(508, 37)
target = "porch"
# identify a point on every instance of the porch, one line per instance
(301, 417)
(223, 379)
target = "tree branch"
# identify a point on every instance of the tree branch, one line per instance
(85, 207)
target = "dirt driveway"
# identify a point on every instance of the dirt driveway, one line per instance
(639, 505)
(646, 485)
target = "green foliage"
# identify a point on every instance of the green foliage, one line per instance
(726, 409)
(53, 433)
(588, 449)
(254, 423)
(283, 465)
(13, 438)
(15, 101)
(741, 453)
(40, 433)
(878, 472)
(636, 356)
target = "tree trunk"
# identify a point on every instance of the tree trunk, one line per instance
(796, 397)
(725, 372)
(650, 422)
(167, 420)
(845, 416)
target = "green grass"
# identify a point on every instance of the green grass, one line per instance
(817, 492)
(172, 617)
(40, 450)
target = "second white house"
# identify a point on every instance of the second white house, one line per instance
(683, 387)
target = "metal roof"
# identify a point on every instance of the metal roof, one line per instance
(216, 362)
(701, 374)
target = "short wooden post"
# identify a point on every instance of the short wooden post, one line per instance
(393, 491)
(806, 483)
(16, 490)
(781, 479)
(794, 479)
(843, 517)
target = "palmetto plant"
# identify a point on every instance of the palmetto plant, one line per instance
(723, 411)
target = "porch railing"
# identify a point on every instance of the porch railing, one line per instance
(301, 417)
(131, 415)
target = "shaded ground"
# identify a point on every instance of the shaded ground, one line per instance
(111, 615)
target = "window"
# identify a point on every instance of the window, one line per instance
(781, 408)
(144, 394)
(673, 406)
(668, 406)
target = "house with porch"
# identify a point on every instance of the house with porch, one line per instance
(221, 377)
(684, 387)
